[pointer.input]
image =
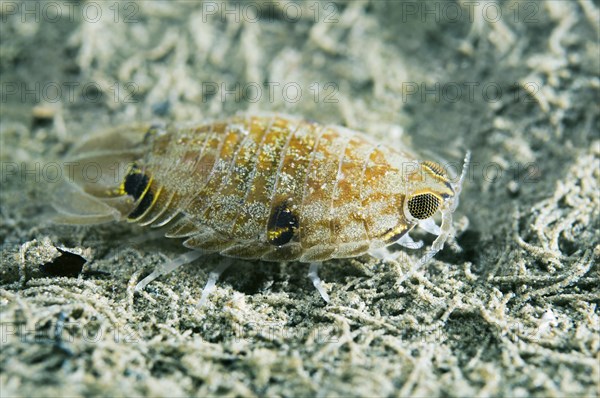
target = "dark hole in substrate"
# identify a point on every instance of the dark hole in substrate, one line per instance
(470, 242)
(255, 279)
(567, 247)
(67, 264)
(42, 122)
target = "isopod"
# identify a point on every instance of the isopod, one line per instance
(268, 187)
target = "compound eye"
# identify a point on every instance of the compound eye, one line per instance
(423, 206)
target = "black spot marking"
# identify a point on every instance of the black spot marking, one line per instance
(282, 225)
(144, 204)
(135, 183)
(67, 264)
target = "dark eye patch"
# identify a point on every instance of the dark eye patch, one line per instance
(282, 225)
(135, 183)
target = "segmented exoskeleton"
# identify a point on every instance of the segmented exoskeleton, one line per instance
(269, 187)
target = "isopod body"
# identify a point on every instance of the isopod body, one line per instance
(269, 187)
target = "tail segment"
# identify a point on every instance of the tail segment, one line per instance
(104, 178)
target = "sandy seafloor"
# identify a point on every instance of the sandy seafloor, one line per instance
(511, 309)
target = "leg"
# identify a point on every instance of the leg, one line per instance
(383, 253)
(313, 275)
(430, 226)
(408, 242)
(167, 268)
(212, 280)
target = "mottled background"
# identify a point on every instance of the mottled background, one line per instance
(510, 309)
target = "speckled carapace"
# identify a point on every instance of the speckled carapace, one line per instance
(268, 187)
